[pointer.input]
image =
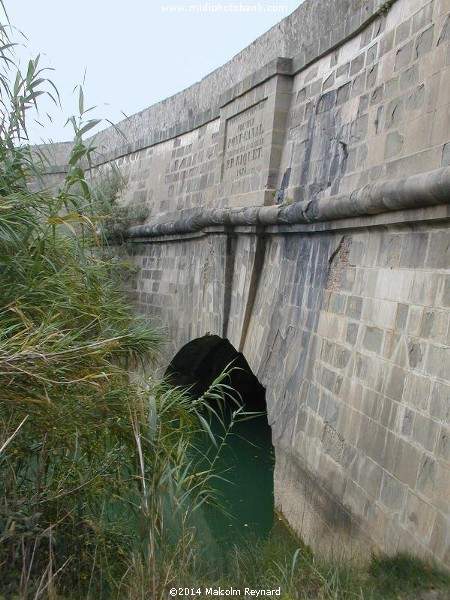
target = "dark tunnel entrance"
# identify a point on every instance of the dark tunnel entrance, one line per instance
(246, 458)
(201, 361)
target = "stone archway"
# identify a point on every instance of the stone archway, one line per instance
(246, 490)
(202, 360)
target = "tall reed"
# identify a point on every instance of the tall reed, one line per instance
(90, 462)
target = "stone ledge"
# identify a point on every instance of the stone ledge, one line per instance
(418, 191)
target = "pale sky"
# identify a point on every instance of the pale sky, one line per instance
(134, 52)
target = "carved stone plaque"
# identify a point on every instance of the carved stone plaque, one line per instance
(244, 141)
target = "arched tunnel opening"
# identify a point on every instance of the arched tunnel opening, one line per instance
(202, 360)
(245, 488)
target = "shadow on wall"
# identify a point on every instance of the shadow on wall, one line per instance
(201, 361)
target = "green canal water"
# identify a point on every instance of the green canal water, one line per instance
(244, 465)
(244, 488)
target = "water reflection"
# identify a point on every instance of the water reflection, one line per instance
(245, 485)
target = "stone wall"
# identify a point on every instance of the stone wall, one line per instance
(299, 205)
(352, 340)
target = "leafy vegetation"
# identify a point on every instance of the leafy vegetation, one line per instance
(89, 461)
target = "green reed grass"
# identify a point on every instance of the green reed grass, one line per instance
(90, 462)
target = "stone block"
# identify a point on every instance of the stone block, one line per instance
(313, 397)
(424, 42)
(352, 333)
(427, 476)
(355, 425)
(414, 248)
(327, 351)
(395, 383)
(332, 443)
(372, 440)
(373, 339)
(425, 432)
(441, 7)
(408, 423)
(326, 102)
(436, 483)
(394, 113)
(328, 379)
(370, 476)
(406, 463)
(417, 391)
(337, 303)
(390, 451)
(343, 70)
(357, 64)
(441, 125)
(329, 408)
(365, 38)
(357, 251)
(363, 104)
(387, 43)
(391, 87)
(402, 32)
(415, 99)
(385, 413)
(372, 54)
(350, 461)
(440, 402)
(419, 133)
(354, 498)
(442, 493)
(439, 251)
(419, 517)
(389, 250)
(440, 538)
(444, 35)
(409, 77)
(425, 288)
(394, 144)
(438, 361)
(403, 56)
(422, 17)
(443, 445)
(342, 357)
(416, 353)
(435, 325)
(377, 95)
(385, 311)
(359, 84)
(401, 317)
(354, 307)
(392, 493)
(358, 129)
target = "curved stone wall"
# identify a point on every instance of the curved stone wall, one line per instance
(298, 204)
(308, 32)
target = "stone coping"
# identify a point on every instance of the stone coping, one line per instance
(418, 191)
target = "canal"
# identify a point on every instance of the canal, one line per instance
(243, 459)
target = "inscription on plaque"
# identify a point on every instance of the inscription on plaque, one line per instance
(244, 141)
